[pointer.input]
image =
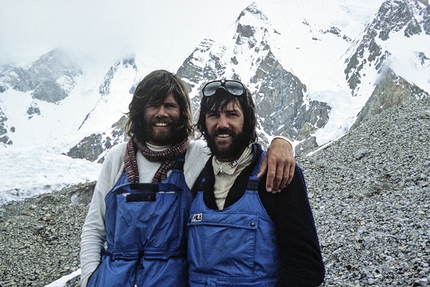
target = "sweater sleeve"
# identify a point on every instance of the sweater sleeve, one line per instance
(301, 259)
(93, 234)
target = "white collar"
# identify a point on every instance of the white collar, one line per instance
(230, 167)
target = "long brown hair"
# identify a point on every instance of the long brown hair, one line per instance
(153, 90)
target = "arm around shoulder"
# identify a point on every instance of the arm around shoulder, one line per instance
(278, 164)
(93, 231)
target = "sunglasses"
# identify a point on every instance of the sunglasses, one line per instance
(234, 88)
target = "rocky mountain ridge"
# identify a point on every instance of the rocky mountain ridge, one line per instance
(391, 90)
(279, 94)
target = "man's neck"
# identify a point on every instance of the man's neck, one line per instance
(231, 159)
(157, 147)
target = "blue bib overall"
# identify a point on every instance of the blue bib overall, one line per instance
(146, 234)
(235, 246)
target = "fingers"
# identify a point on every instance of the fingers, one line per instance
(279, 174)
(285, 180)
(291, 169)
(268, 168)
(279, 178)
(279, 165)
(275, 177)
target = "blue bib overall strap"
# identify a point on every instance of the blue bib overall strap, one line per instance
(235, 246)
(146, 233)
(253, 180)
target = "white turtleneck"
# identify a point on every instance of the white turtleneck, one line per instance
(226, 173)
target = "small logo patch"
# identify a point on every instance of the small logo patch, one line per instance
(197, 217)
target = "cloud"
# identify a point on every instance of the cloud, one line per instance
(164, 30)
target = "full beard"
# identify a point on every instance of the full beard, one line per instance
(238, 144)
(163, 137)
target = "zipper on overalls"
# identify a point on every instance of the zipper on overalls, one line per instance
(138, 266)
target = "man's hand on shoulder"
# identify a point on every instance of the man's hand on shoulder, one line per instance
(278, 165)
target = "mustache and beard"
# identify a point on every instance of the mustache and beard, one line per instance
(239, 141)
(166, 134)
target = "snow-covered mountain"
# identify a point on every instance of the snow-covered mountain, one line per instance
(313, 77)
(314, 88)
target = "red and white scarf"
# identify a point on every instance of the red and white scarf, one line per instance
(167, 158)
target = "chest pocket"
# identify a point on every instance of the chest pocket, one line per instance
(147, 218)
(225, 240)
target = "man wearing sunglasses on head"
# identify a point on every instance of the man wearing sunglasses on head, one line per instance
(140, 205)
(239, 234)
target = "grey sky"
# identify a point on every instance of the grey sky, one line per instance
(106, 30)
(164, 32)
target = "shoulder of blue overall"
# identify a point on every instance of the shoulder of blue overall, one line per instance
(253, 180)
(179, 164)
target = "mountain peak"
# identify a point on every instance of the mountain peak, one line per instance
(253, 27)
(393, 16)
(254, 10)
(126, 62)
(49, 79)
